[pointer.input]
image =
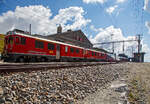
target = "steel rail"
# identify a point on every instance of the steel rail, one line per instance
(14, 67)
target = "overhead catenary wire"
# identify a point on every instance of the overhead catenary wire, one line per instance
(113, 22)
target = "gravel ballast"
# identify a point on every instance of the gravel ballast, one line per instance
(61, 86)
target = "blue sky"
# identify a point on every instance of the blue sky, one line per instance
(98, 19)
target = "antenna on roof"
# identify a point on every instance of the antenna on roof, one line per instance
(59, 29)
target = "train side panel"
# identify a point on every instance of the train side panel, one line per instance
(29, 48)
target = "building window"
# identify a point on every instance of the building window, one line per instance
(23, 40)
(66, 49)
(71, 50)
(78, 38)
(51, 46)
(39, 44)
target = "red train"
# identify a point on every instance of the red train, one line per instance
(23, 47)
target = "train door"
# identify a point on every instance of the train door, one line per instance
(57, 51)
(84, 53)
(11, 42)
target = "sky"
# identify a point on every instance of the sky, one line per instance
(100, 20)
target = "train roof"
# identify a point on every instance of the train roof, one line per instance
(44, 39)
(94, 50)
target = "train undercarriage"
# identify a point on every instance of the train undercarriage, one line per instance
(43, 58)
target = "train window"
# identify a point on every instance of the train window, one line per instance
(23, 40)
(92, 53)
(71, 50)
(39, 44)
(17, 40)
(10, 33)
(51, 46)
(102, 54)
(66, 49)
(95, 53)
(88, 52)
(58, 47)
(99, 54)
(77, 50)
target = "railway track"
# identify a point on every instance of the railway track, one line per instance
(13, 67)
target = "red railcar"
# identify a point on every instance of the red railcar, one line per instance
(20, 47)
(95, 55)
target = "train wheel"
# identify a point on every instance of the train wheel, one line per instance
(43, 59)
(21, 59)
(64, 60)
(33, 59)
(5, 60)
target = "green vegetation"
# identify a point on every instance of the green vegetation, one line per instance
(137, 91)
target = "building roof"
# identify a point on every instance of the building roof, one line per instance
(69, 32)
(73, 37)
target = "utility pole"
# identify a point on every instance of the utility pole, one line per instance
(139, 48)
(123, 47)
(112, 43)
(139, 43)
(113, 47)
(132, 52)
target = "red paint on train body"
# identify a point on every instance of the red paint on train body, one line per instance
(25, 47)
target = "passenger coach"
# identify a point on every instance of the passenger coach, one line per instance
(23, 47)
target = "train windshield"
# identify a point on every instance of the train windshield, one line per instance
(10, 33)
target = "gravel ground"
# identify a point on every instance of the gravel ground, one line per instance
(121, 83)
(113, 93)
(1, 61)
(131, 88)
(62, 86)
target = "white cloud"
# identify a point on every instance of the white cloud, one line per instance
(41, 19)
(104, 35)
(101, 1)
(120, 1)
(95, 29)
(94, 1)
(111, 9)
(146, 5)
(147, 24)
(74, 14)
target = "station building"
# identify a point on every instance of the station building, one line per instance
(77, 38)
(139, 57)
